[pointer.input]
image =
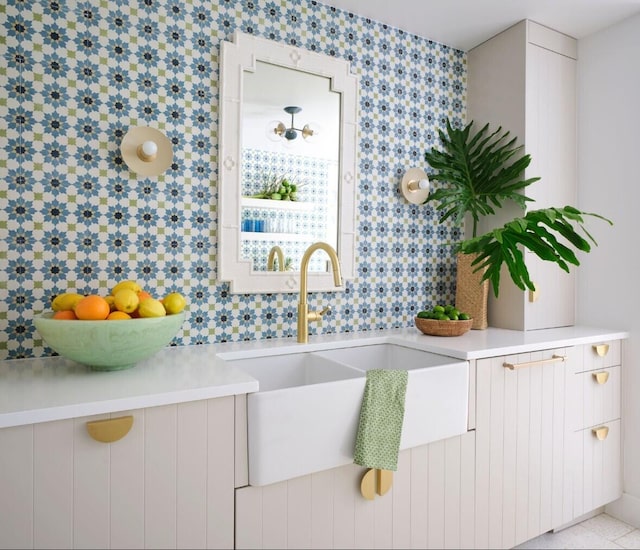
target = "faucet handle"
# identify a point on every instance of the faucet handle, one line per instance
(317, 315)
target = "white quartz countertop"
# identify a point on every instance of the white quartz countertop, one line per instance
(54, 388)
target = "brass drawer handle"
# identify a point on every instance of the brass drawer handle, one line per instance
(110, 429)
(601, 349)
(601, 433)
(376, 481)
(554, 359)
(600, 377)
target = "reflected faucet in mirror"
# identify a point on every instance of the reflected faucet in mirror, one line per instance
(275, 251)
(304, 315)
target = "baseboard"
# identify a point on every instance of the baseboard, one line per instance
(626, 508)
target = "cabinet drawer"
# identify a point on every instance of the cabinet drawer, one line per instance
(600, 356)
(597, 398)
(598, 469)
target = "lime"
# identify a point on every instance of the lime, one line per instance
(424, 314)
(453, 316)
(464, 317)
(443, 317)
(438, 309)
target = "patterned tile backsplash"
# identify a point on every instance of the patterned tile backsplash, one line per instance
(76, 75)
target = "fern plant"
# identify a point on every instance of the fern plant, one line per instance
(482, 171)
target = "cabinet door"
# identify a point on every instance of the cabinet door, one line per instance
(168, 483)
(523, 476)
(430, 505)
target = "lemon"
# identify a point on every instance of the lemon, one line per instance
(151, 308)
(66, 301)
(126, 300)
(130, 285)
(111, 301)
(174, 303)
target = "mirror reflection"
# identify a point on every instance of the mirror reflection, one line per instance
(289, 167)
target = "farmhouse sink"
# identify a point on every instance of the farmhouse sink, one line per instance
(304, 417)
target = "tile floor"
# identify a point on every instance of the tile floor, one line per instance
(601, 531)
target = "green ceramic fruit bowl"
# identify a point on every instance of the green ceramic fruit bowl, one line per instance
(108, 345)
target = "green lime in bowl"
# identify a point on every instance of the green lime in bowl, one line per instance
(108, 345)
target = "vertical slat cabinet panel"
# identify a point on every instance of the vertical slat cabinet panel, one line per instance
(401, 501)
(344, 495)
(248, 522)
(160, 450)
(483, 442)
(467, 489)
(91, 492)
(53, 484)
(220, 471)
(299, 512)
(419, 496)
(452, 490)
(274, 515)
(510, 456)
(602, 467)
(16, 487)
(436, 498)
(322, 509)
(191, 473)
(536, 392)
(522, 445)
(363, 515)
(127, 485)
(496, 453)
(383, 517)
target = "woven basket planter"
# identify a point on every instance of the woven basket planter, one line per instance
(472, 293)
(434, 327)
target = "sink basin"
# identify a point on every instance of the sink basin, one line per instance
(436, 402)
(304, 418)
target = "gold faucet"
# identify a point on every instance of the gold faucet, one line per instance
(275, 250)
(304, 315)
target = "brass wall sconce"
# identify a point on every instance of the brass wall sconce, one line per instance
(146, 151)
(415, 185)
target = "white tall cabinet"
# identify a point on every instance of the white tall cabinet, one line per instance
(524, 79)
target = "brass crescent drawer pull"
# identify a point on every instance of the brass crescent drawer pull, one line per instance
(376, 481)
(600, 433)
(110, 429)
(600, 377)
(601, 349)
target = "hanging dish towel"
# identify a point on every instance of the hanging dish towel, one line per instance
(381, 417)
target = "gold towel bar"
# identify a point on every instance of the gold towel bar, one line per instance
(554, 359)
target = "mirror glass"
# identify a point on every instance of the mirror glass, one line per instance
(286, 165)
(289, 169)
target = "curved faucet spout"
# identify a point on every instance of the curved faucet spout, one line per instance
(275, 251)
(304, 315)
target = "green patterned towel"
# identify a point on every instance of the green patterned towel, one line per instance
(381, 416)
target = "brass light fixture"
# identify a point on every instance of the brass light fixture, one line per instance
(279, 129)
(146, 151)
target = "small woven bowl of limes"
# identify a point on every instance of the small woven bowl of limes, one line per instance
(443, 321)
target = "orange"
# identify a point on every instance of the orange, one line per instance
(92, 308)
(144, 295)
(118, 316)
(65, 314)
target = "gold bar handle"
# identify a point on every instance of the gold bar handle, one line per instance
(554, 359)
(600, 433)
(110, 429)
(601, 349)
(600, 377)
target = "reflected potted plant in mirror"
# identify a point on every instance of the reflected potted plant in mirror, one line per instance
(480, 172)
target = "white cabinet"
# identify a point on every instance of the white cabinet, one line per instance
(169, 483)
(539, 463)
(430, 505)
(524, 80)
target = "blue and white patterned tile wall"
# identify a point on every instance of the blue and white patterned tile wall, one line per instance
(75, 75)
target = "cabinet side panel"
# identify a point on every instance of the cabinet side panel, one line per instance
(160, 434)
(90, 488)
(191, 491)
(16, 487)
(220, 472)
(53, 484)
(127, 486)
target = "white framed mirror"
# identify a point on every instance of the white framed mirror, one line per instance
(286, 165)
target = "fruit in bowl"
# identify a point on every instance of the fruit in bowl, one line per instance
(443, 321)
(111, 332)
